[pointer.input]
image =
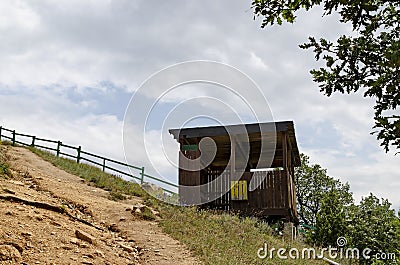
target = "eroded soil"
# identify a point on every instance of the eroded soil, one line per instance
(111, 232)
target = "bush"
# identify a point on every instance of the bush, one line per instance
(4, 166)
(116, 196)
(147, 214)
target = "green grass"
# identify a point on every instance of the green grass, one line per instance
(116, 196)
(4, 166)
(224, 238)
(147, 214)
(116, 185)
(215, 238)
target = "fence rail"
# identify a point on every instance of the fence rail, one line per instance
(81, 155)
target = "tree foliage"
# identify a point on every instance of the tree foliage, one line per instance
(374, 225)
(328, 205)
(331, 221)
(312, 185)
(368, 60)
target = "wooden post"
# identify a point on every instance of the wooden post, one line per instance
(142, 176)
(13, 138)
(59, 143)
(78, 158)
(291, 178)
(233, 169)
(285, 151)
(104, 164)
(33, 141)
(233, 155)
(285, 168)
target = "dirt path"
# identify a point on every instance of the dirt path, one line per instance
(31, 235)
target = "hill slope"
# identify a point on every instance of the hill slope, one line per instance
(51, 217)
(70, 222)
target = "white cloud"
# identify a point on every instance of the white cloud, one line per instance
(18, 15)
(257, 62)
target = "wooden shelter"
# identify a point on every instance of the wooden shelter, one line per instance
(236, 178)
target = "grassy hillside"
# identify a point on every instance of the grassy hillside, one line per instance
(215, 238)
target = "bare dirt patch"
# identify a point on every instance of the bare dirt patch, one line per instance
(90, 228)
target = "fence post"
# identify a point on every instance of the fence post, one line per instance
(33, 141)
(13, 138)
(59, 143)
(0, 132)
(104, 164)
(78, 158)
(142, 176)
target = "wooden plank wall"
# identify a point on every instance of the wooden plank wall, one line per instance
(187, 179)
(222, 183)
(270, 194)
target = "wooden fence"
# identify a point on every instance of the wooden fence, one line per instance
(60, 149)
(271, 195)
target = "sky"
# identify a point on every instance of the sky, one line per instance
(69, 69)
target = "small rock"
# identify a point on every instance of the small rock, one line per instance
(128, 249)
(26, 234)
(28, 245)
(66, 247)
(74, 241)
(8, 191)
(55, 223)
(139, 205)
(99, 253)
(84, 245)
(19, 183)
(15, 243)
(8, 252)
(114, 228)
(39, 218)
(85, 237)
(138, 211)
(122, 219)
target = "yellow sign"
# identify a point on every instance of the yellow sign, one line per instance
(239, 190)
